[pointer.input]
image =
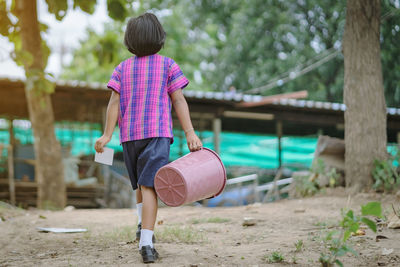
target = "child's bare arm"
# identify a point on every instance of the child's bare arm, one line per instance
(182, 111)
(111, 121)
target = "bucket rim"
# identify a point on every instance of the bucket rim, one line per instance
(223, 168)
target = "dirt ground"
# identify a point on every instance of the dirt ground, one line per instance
(196, 236)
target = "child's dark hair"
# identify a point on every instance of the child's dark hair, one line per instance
(144, 35)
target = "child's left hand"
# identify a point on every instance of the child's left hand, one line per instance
(100, 143)
(193, 141)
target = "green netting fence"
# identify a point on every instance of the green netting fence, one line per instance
(237, 149)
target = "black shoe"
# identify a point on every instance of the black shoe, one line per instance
(139, 228)
(149, 254)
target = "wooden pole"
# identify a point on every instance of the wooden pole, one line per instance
(279, 134)
(10, 154)
(11, 174)
(217, 134)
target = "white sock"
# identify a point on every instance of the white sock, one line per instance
(139, 212)
(146, 238)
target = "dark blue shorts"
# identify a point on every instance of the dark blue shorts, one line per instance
(144, 157)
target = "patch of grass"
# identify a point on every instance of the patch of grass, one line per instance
(124, 233)
(184, 234)
(210, 220)
(275, 257)
(299, 245)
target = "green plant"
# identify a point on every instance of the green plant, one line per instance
(276, 256)
(299, 245)
(336, 242)
(333, 176)
(305, 186)
(386, 174)
(318, 167)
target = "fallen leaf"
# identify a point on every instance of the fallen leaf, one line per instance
(160, 222)
(42, 217)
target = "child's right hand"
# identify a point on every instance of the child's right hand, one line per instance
(193, 141)
(100, 143)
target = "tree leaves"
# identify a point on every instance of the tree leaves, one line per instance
(373, 209)
(85, 5)
(5, 22)
(58, 8)
(117, 10)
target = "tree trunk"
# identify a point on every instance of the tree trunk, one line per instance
(49, 171)
(365, 115)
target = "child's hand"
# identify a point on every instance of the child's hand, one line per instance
(100, 143)
(194, 143)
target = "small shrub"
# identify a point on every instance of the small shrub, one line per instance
(299, 245)
(305, 186)
(275, 257)
(336, 242)
(386, 174)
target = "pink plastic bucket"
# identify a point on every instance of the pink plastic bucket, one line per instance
(195, 176)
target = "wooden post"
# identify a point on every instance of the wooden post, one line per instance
(217, 134)
(279, 134)
(201, 128)
(10, 154)
(256, 195)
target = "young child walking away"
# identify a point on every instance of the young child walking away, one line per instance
(143, 88)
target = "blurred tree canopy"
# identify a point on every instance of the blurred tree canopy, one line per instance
(225, 44)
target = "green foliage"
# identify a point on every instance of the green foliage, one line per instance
(385, 173)
(244, 44)
(305, 186)
(117, 9)
(85, 5)
(333, 177)
(5, 22)
(275, 257)
(299, 245)
(58, 8)
(36, 80)
(336, 242)
(99, 54)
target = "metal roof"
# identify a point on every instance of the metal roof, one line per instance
(230, 96)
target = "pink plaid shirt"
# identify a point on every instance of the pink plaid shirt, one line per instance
(145, 85)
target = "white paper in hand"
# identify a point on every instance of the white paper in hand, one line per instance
(106, 157)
